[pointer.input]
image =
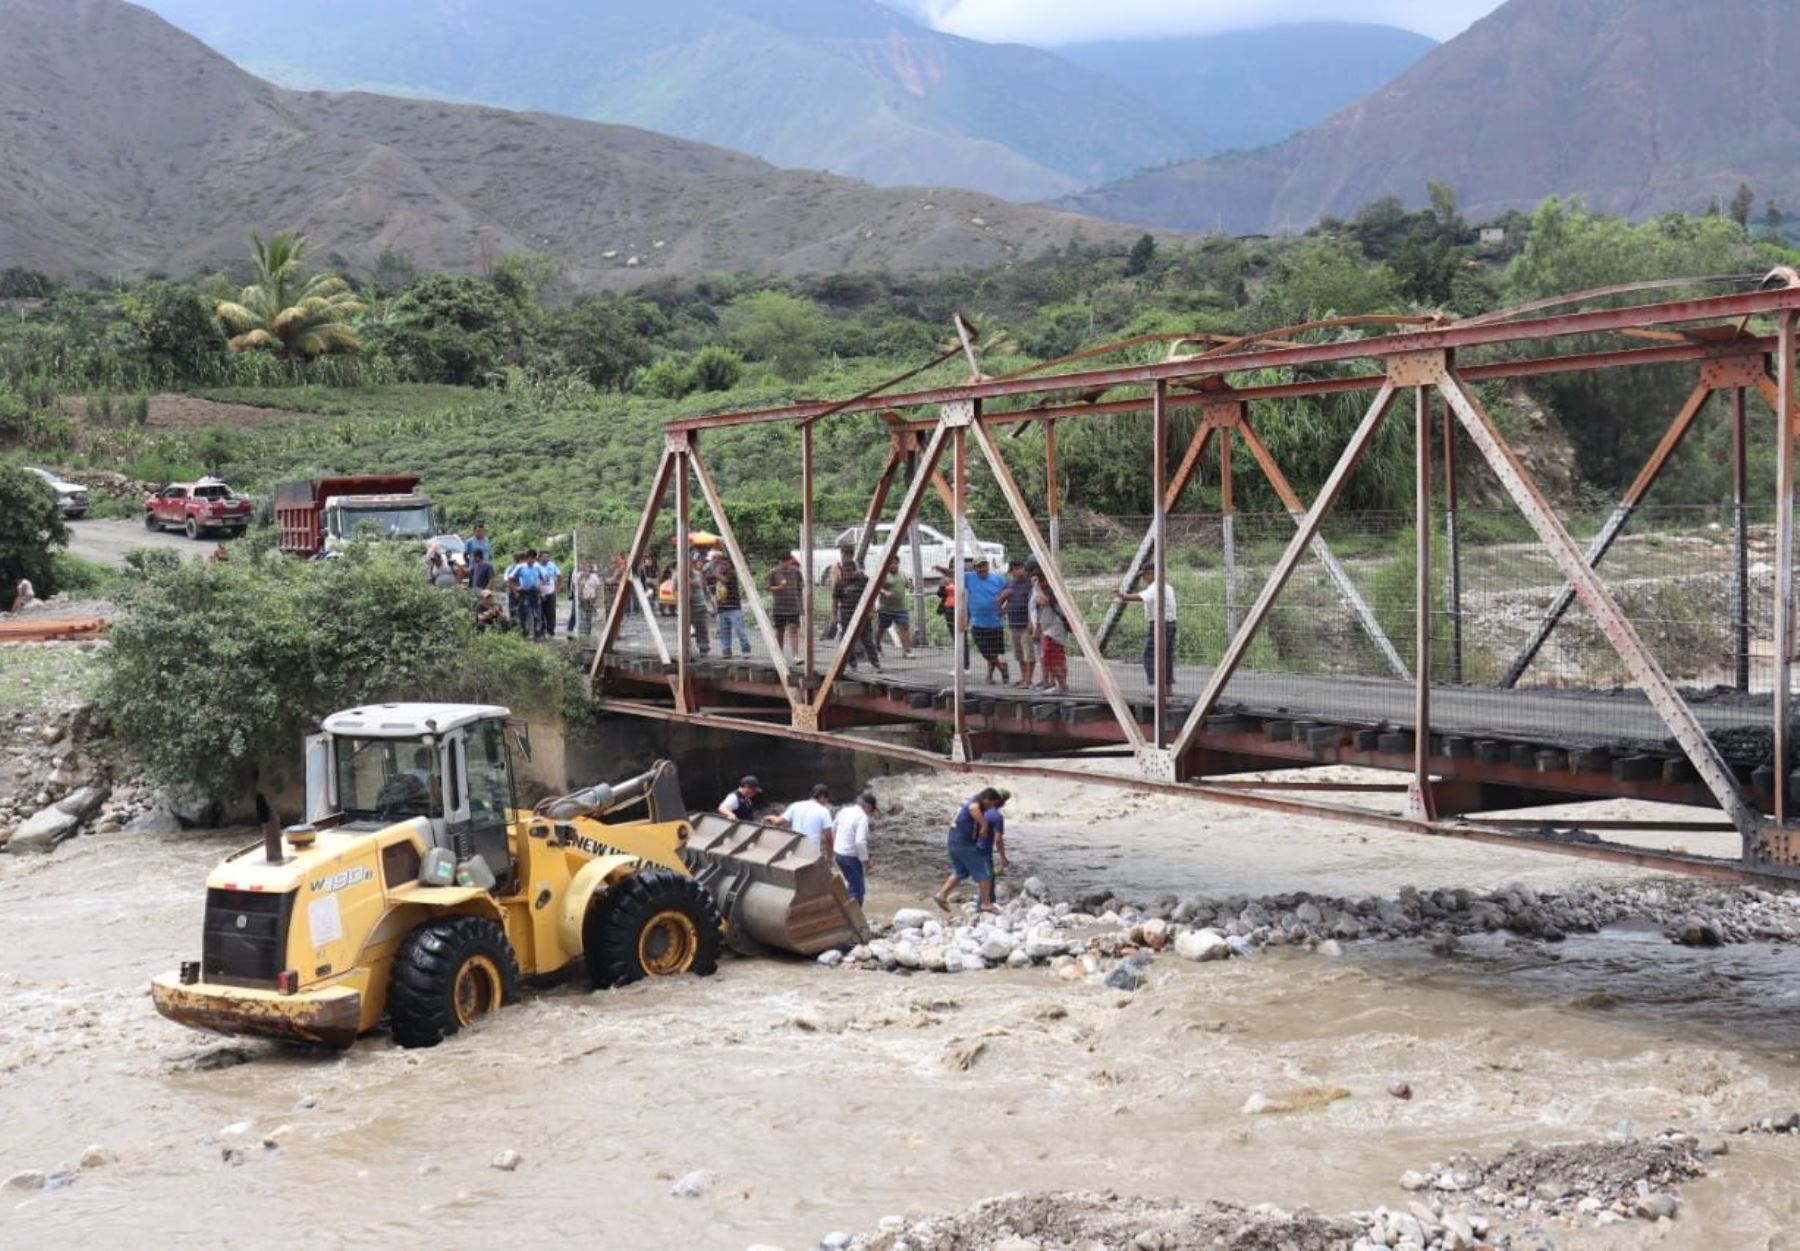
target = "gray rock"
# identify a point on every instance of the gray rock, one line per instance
(692, 1185)
(912, 919)
(156, 820)
(835, 1241)
(43, 831)
(25, 1179)
(1308, 913)
(507, 1160)
(1033, 888)
(1658, 1206)
(831, 959)
(1126, 977)
(85, 802)
(1412, 1179)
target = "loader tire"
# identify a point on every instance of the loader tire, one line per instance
(655, 923)
(448, 974)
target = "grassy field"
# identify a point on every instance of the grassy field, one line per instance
(368, 402)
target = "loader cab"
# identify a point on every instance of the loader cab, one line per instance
(446, 764)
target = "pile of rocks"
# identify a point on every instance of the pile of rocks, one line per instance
(1513, 1202)
(55, 783)
(1100, 938)
(1598, 1183)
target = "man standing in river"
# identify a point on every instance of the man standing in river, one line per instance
(850, 843)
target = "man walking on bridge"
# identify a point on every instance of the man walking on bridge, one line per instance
(1159, 610)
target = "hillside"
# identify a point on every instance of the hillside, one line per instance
(848, 86)
(1636, 106)
(1245, 88)
(131, 147)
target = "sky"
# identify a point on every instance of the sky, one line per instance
(1050, 22)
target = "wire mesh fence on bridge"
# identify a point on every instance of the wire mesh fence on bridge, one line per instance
(1341, 638)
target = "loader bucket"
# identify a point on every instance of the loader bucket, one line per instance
(774, 889)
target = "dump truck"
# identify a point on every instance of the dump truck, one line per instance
(418, 893)
(323, 514)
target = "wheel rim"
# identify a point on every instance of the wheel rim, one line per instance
(668, 943)
(476, 991)
(193, 530)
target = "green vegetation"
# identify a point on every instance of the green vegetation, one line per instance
(31, 527)
(286, 310)
(250, 653)
(541, 412)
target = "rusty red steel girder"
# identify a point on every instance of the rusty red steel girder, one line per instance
(1711, 332)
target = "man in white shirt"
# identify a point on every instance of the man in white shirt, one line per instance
(1159, 603)
(850, 843)
(810, 817)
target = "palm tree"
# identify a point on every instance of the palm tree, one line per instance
(287, 311)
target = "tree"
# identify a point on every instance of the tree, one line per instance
(177, 332)
(1143, 255)
(1742, 201)
(1772, 217)
(715, 369)
(267, 645)
(31, 524)
(781, 329)
(287, 311)
(19, 283)
(606, 341)
(450, 328)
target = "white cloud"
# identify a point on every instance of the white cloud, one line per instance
(1051, 22)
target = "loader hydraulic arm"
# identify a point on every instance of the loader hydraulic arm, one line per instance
(658, 788)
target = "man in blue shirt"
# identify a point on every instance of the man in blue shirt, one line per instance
(479, 543)
(549, 575)
(526, 579)
(981, 612)
(481, 573)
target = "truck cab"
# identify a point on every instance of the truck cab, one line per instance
(351, 517)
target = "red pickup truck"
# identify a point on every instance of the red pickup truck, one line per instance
(198, 508)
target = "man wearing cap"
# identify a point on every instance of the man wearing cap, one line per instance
(740, 805)
(981, 613)
(809, 817)
(850, 843)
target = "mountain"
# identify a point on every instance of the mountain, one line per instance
(1636, 106)
(129, 147)
(849, 86)
(1245, 88)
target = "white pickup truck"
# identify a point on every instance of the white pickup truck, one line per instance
(935, 548)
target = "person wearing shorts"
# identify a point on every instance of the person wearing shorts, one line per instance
(963, 842)
(787, 585)
(1015, 599)
(1053, 634)
(981, 610)
(891, 614)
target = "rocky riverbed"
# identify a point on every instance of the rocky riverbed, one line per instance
(1108, 941)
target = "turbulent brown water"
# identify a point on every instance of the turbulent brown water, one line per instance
(827, 1099)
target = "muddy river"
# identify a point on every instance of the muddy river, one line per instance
(826, 1099)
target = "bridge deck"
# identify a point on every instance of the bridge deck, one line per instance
(1558, 742)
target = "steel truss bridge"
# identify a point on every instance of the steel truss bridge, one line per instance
(1458, 747)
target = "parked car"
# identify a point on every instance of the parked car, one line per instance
(198, 508)
(71, 496)
(935, 548)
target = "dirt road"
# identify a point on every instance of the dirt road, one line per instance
(107, 542)
(827, 1099)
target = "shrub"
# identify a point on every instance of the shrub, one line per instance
(31, 526)
(254, 651)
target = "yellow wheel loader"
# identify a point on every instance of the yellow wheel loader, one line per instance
(418, 892)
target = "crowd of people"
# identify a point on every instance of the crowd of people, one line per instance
(522, 596)
(976, 840)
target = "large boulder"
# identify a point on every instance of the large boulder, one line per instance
(1202, 945)
(45, 830)
(157, 820)
(84, 802)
